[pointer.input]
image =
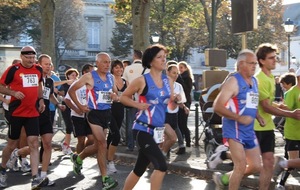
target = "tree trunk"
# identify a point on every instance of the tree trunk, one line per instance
(47, 29)
(140, 23)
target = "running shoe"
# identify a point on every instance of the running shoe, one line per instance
(76, 166)
(15, 167)
(217, 177)
(12, 160)
(3, 178)
(39, 182)
(66, 149)
(109, 183)
(25, 167)
(277, 168)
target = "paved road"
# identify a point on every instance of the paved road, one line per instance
(61, 172)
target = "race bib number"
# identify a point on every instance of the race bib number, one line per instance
(104, 97)
(30, 80)
(252, 100)
(46, 93)
(158, 134)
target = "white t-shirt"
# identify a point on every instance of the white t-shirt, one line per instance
(133, 71)
(178, 89)
(81, 97)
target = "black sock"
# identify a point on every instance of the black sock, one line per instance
(2, 170)
(284, 176)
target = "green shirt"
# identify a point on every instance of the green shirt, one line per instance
(292, 126)
(266, 90)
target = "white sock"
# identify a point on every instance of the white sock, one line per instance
(283, 163)
(43, 174)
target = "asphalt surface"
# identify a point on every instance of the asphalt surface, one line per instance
(190, 164)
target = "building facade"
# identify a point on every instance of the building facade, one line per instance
(99, 22)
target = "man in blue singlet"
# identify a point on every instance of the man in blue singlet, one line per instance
(100, 86)
(237, 103)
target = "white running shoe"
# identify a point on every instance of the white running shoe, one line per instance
(15, 167)
(25, 167)
(66, 149)
(12, 160)
(111, 168)
(3, 178)
(215, 159)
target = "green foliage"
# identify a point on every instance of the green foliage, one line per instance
(121, 41)
(14, 17)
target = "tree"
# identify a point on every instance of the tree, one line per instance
(70, 28)
(47, 8)
(14, 15)
(140, 23)
(121, 41)
(137, 14)
(184, 24)
(36, 18)
(177, 22)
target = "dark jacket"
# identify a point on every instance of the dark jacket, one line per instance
(186, 81)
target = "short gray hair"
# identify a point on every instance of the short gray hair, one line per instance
(101, 53)
(243, 55)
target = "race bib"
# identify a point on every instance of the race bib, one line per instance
(158, 134)
(104, 97)
(46, 93)
(252, 100)
(30, 80)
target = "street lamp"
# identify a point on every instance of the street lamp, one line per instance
(155, 37)
(289, 27)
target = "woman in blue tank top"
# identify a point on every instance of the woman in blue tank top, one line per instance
(155, 90)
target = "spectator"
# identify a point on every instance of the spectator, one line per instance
(131, 72)
(126, 63)
(186, 79)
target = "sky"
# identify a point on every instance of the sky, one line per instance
(290, 1)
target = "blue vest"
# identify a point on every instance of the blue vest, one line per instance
(155, 115)
(99, 97)
(237, 104)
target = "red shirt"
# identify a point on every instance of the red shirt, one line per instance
(25, 80)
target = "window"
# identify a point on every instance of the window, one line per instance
(94, 34)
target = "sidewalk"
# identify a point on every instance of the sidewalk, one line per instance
(192, 163)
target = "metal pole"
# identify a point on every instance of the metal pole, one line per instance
(244, 40)
(289, 53)
(196, 124)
